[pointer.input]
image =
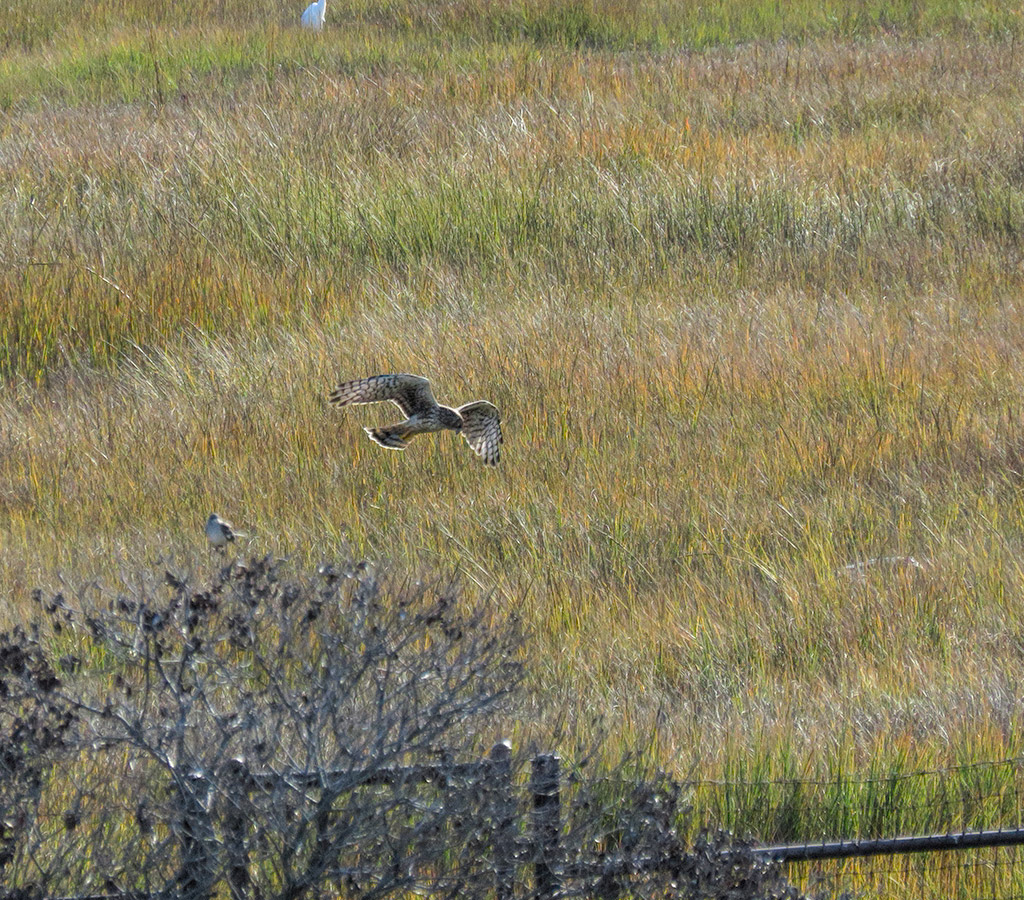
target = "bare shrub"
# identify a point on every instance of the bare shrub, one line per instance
(35, 724)
(272, 735)
(243, 730)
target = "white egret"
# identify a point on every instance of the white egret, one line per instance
(313, 17)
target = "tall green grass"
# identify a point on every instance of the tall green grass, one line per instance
(576, 24)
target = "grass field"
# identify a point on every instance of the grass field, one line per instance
(745, 282)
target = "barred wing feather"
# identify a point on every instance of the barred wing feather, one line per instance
(411, 393)
(481, 427)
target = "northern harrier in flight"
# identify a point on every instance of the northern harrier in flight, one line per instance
(478, 422)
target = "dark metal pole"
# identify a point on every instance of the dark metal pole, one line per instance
(503, 809)
(196, 876)
(237, 785)
(544, 786)
(892, 846)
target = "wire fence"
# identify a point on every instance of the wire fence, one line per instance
(266, 736)
(972, 797)
(532, 850)
(944, 832)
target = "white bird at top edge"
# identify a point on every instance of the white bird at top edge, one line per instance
(313, 17)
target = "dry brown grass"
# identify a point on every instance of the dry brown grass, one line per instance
(751, 313)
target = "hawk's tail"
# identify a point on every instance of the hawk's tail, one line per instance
(387, 437)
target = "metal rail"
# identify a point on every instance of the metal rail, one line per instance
(891, 846)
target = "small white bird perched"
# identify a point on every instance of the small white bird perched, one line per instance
(313, 17)
(219, 531)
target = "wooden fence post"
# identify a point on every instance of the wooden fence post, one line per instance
(503, 808)
(544, 785)
(236, 787)
(197, 874)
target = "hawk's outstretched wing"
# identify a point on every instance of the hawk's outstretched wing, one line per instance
(481, 427)
(411, 392)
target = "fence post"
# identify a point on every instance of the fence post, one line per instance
(197, 874)
(544, 786)
(236, 787)
(504, 812)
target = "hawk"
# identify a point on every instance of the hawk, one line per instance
(478, 422)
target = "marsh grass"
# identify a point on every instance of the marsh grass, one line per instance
(745, 283)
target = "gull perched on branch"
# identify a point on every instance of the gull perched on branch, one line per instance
(478, 422)
(219, 531)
